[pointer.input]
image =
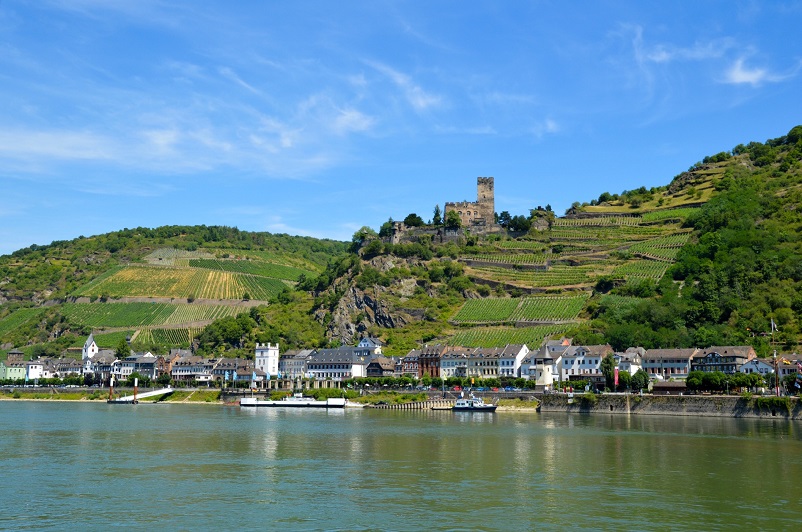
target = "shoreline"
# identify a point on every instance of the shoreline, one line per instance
(787, 408)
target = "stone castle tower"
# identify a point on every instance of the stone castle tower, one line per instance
(480, 212)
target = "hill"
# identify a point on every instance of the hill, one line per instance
(160, 286)
(709, 259)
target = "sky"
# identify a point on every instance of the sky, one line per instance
(318, 117)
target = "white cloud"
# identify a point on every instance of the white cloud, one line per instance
(740, 74)
(352, 120)
(545, 127)
(230, 74)
(65, 145)
(417, 97)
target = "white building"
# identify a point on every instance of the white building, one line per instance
(34, 369)
(583, 362)
(510, 359)
(267, 359)
(631, 360)
(292, 364)
(90, 348)
(339, 364)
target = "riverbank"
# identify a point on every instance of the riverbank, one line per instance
(683, 405)
(627, 404)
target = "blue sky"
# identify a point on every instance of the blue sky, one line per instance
(319, 117)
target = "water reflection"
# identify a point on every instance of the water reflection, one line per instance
(358, 470)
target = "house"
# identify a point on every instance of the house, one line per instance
(339, 363)
(164, 364)
(374, 344)
(726, 359)
(381, 367)
(409, 364)
(668, 363)
(192, 368)
(145, 364)
(67, 367)
(583, 362)
(789, 365)
(510, 359)
(429, 360)
(34, 370)
(453, 362)
(102, 366)
(267, 359)
(757, 365)
(12, 371)
(630, 360)
(231, 369)
(292, 364)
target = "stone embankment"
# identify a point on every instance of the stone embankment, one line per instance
(683, 405)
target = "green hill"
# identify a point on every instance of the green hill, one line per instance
(709, 259)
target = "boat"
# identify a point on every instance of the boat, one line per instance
(295, 401)
(472, 404)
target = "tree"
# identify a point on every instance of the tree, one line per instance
(504, 219)
(640, 380)
(624, 380)
(123, 350)
(361, 237)
(519, 223)
(437, 219)
(608, 370)
(413, 220)
(453, 220)
(386, 230)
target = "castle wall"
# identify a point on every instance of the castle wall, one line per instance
(479, 212)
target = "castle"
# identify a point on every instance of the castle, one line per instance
(480, 212)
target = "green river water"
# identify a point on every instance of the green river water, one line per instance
(93, 466)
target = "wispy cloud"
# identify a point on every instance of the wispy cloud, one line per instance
(64, 145)
(417, 97)
(740, 74)
(231, 75)
(545, 127)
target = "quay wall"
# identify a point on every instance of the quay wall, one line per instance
(675, 405)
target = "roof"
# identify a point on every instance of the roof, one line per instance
(352, 355)
(743, 351)
(662, 354)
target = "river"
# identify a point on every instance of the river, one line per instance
(93, 466)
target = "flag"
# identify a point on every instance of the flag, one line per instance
(616, 377)
(785, 361)
(253, 376)
(773, 325)
(228, 375)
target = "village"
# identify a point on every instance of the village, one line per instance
(555, 365)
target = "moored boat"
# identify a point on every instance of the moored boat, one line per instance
(472, 404)
(295, 401)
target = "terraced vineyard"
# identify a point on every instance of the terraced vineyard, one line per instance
(663, 248)
(550, 308)
(182, 337)
(668, 214)
(264, 269)
(169, 256)
(107, 315)
(555, 276)
(641, 269)
(501, 336)
(528, 309)
(18, 318)
(510, 258)
(488, 310)
(151, 281)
